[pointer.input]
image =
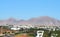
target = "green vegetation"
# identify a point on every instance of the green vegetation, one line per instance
(1, 36)
(48, 34)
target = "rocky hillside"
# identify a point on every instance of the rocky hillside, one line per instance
(44, 20)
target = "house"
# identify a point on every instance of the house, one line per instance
(40, 33)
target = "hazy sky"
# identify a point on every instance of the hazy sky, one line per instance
(25, 9)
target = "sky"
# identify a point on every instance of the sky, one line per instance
(26, 9)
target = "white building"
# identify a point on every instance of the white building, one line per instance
(40, 33)
(15, 28)
(18, 27)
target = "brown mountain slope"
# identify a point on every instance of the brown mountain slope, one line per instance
(45, 20)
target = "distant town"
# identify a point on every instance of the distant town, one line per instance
(26, 31)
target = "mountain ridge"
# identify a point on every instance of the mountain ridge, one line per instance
(43, 20)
